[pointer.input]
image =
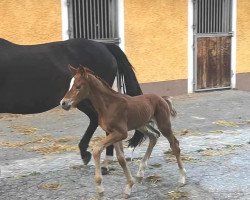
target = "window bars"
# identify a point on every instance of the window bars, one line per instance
(94, 19)
(214, 16)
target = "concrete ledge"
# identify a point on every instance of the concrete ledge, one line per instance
(171, 88)
(243, 81)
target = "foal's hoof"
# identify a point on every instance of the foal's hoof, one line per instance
(86, 157)
(182, 178)
(126, 196)
(105, 170)
(101, 194)
(181, 183)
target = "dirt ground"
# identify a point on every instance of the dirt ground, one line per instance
(39, 156)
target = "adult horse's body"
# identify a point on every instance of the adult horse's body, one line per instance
(34, 78)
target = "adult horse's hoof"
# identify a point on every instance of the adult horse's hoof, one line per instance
(105, 170)
(86, 157)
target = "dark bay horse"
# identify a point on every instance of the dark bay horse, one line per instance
(34, 78)
(118, 114)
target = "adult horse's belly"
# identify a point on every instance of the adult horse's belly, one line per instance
(32, 91)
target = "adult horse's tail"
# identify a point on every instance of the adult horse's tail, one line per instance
(132, 87)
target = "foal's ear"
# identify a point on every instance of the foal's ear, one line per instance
(72, 70)
(82, 70)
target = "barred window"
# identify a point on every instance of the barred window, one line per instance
(214, 16)
(94, 19)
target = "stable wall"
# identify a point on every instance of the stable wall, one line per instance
(156, 39)
(30, 21)
(243, 44)
(243, 39)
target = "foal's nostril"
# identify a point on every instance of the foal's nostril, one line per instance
(65, 105)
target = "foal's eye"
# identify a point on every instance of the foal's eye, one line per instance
(78, 87)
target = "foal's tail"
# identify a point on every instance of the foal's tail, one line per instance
(130, 85)
(170, 105)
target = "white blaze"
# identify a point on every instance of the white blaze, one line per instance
(71, 83)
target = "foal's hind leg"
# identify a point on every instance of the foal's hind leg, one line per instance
(143, 162)
(164, 125)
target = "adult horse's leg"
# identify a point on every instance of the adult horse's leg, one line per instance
(93, 124)
(87, 108)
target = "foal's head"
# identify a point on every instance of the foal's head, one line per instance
(79, 88)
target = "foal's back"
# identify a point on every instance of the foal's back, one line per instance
(143, 108)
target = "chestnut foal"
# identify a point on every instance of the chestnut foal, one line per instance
(119, 113)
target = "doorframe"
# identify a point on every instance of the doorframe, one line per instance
(233, 44)
(191, 47)
(65, 22)
(121, 24)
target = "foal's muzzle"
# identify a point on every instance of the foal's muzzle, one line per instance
(66, 104)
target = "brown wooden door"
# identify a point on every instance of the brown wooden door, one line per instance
(213, 62)
(212, 44)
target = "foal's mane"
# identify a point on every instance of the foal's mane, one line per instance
(101, 80)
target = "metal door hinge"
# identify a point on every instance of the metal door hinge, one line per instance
(231, 33)
(232, 73)
(68, 2)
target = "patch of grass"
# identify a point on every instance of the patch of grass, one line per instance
(219, 152)
(184, 157)
(153, 179)
(213, 152)
(24, 129)
(40, 139)
(186, 132)
(173, 195)
(226, 123)
(50, 186)
(7, 144)
(217, 131)
(9, 117)
(156, 165)
(66, 139)
(77, 167)
(31, 174)
(55, 148)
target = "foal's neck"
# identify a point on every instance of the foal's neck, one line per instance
(101, 95)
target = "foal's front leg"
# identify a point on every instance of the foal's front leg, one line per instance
(122, 161)
(108, 159)
(110, 139)
(98, 175)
